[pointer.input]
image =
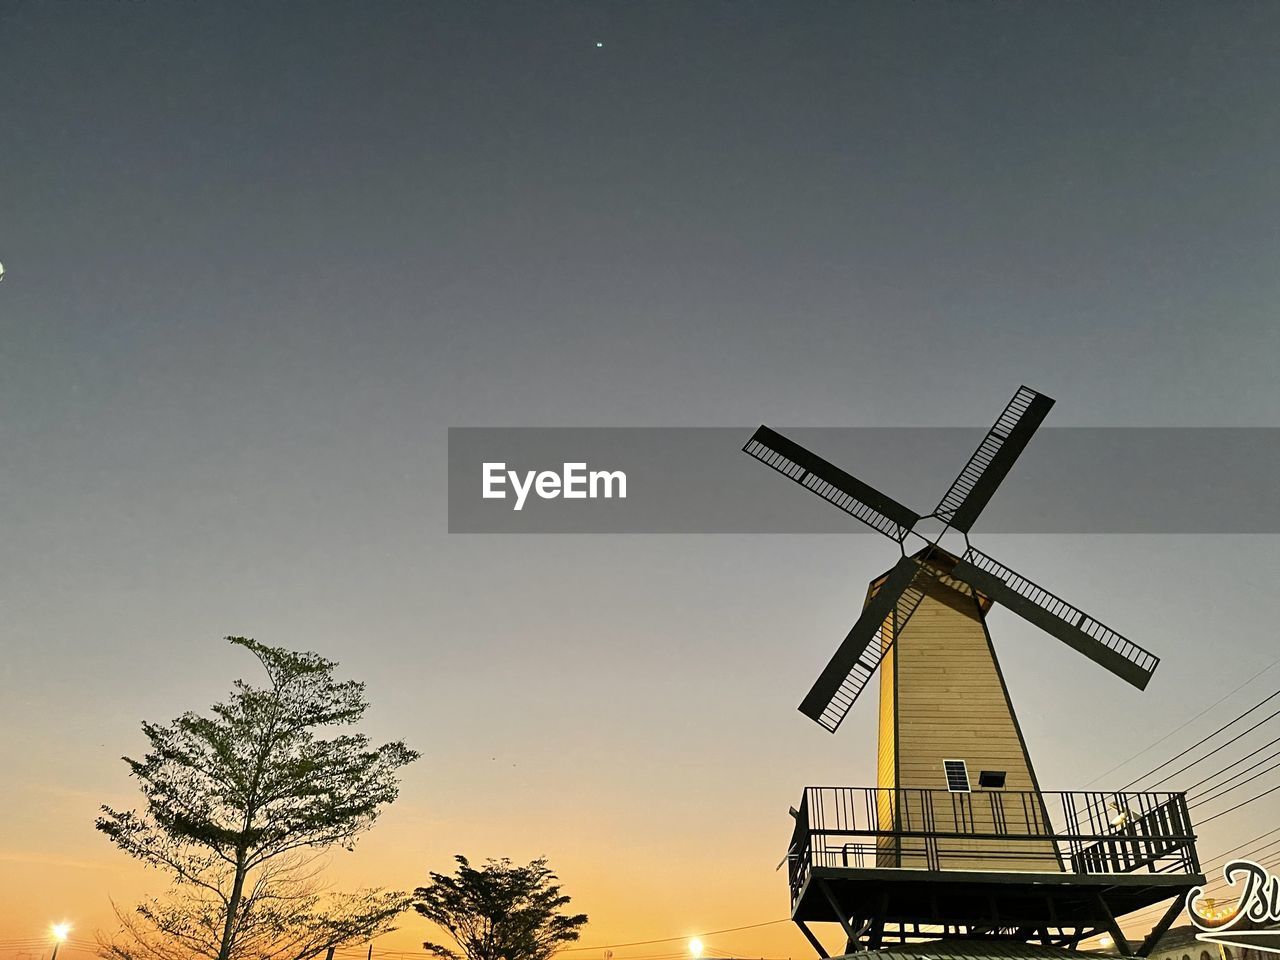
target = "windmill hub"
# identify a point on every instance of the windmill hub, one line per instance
(930, 531)
(957, 839)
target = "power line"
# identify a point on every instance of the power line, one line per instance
(633, 943)
(1222, 793)
(37, 942)
(1271, 861)
(1270, 853)
(1214, 751)
(1202, 741)
(1240, 804)
(1251, 753)
(1220, 789)
(1220, 856)
(1272, 858)
(1184, 725)
(642, 943)
(1217, 749)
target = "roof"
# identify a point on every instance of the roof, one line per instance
(942, 561)
(971, 950)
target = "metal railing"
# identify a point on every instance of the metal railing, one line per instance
(1080, 832)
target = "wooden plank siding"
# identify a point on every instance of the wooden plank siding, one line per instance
(942, 698)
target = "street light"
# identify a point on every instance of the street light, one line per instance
(59, 932)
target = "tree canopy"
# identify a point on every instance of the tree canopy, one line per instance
(498, 912)
(231, 792)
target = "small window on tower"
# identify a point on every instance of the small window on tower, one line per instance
(957, 775)
(991, 779)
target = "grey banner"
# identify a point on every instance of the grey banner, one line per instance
(698, 480)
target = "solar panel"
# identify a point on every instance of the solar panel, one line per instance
(957, 775)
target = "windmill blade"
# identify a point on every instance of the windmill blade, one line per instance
(856, 659)
(993, 459)
(1055, 616)
(860, 500)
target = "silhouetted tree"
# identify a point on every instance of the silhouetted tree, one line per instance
(229, 794)
(498, 912)
(284, 914)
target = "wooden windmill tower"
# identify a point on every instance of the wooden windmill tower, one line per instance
(957, 839)
(946, 718)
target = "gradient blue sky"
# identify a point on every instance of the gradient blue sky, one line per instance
(261, 256)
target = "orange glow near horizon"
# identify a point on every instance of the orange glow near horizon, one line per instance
(643, 891)
(623, 909)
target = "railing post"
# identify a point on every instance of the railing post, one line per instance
(897, 827)
(1185, 830)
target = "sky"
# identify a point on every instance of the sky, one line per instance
(260, 257)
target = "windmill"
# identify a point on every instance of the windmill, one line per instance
(913, 852)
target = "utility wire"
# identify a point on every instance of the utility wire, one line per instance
(1251, 753)
(1213, 752)
(1218, 749)
(1184, 725)
(1203, 740)
(1150, 914)
(615, 946)
(1272, 859)
(1242, 803)
(1239, 846)
(1220, 857)
(1221, 793)
(641, 943)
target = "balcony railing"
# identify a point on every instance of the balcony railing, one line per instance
(990, 830)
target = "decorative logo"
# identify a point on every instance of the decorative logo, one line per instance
(1257, 905)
